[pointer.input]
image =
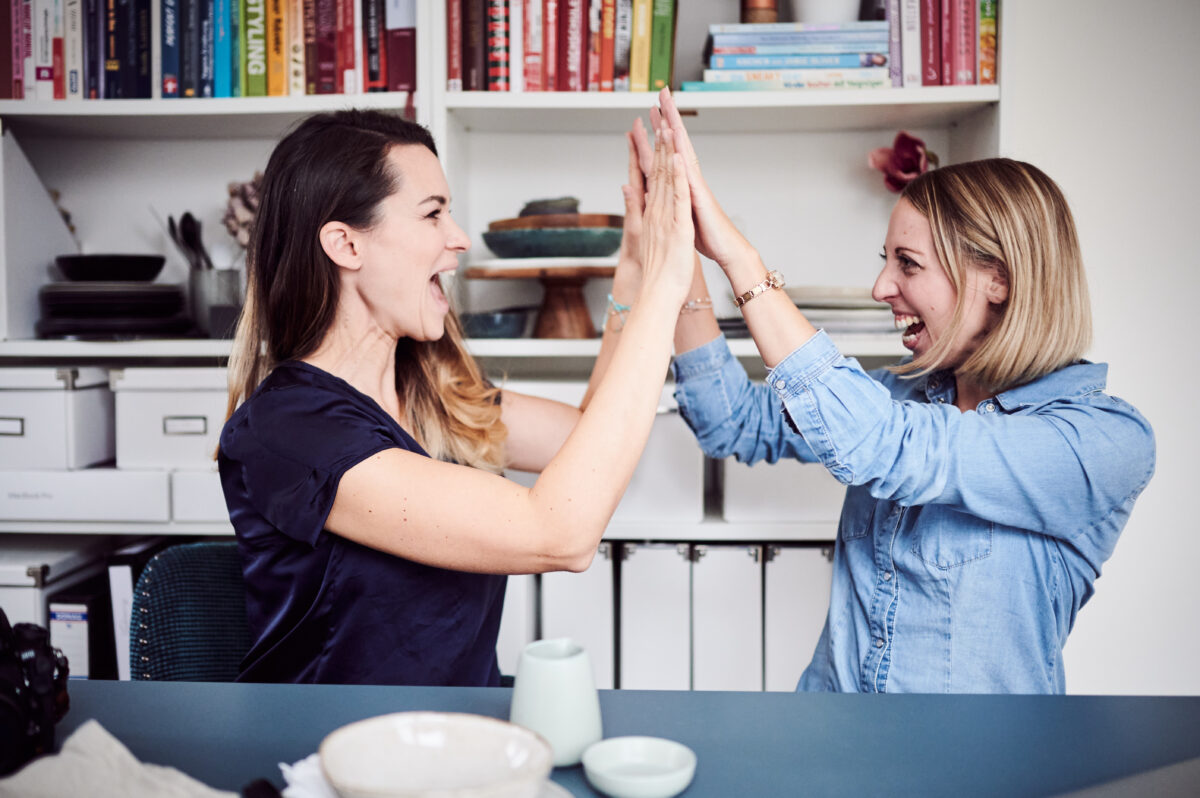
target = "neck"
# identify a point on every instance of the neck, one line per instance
(968, 395)
(363, 355)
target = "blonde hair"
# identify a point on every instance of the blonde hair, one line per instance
(1007, 216)
(334, 166)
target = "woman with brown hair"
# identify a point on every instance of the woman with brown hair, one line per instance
(989, 475)
(361, 459)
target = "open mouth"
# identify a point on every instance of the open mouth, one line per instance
(912, 326)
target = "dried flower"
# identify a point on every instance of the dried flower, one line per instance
(903, 162)
(241, 209)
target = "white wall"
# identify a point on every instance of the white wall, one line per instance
(1102, 95)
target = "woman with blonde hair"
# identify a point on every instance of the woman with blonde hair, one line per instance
(361, 459)
(989, 475)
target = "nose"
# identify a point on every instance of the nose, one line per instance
(885, 286)
(458, 240)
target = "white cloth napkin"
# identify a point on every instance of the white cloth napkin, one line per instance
(305, 779)
(94, 763)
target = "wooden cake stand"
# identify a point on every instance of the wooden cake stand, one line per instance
(563, 313)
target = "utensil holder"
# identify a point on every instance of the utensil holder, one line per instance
(216, 297)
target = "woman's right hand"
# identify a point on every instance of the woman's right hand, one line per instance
(716, 236)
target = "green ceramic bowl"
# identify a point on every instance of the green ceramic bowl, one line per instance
(551, 242)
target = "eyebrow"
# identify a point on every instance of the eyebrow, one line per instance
(438, 198)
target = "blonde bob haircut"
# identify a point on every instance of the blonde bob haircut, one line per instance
(1007, 216)
(334, 166)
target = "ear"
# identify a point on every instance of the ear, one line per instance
(996, 285)
(341, 244)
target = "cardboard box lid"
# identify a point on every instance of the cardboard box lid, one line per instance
(49, 378)
(40, 560)
(169, 379)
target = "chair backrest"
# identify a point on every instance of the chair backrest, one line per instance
(189, 615)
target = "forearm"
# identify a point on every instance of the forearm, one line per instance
(775, 323)
(697, 325)
(627, 283)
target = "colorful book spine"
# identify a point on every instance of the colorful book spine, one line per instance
(222, 48)
(622, 43)
(662, 43)
(325, 47)
(593, 46)
(946, 34)
(870, 78)
(43, 48)
(732, 85)
(169, 49)
(93, 48)
(572, 55)
(872, 26)
(400, 21)
(879, 45)
(639, 48)
(28, 71)
(297, 83)
(986, 50)
(498, 74)
(550, 44)
(454, 54)
(830, 61)
(9, 32)
(910, 42)
(931, 43)
(276, 48)
(608, 26)
(112, 49)
(531, 37)
(855, 39)
(16, 74)
(256, 48)
(310, 46)
(208, 42)
(894, 57)
(474, 45)
(963, 34)
(350, 38)
(143, 50)
(73, 48)
(58, 53)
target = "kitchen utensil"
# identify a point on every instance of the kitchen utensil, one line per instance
(567, 242)
(503, 323)
(558, 220)
(189, 229)
(555, 205)
(639, 767)
(110, 267)
(415, 754)
(554, 694)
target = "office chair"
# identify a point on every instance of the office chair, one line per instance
(189, 615)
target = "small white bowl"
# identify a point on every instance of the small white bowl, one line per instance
(435, 755)
(639, 767)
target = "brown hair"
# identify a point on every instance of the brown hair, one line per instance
(1009, 216)
(335, 167)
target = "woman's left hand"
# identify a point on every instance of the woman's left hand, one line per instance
(628, 278)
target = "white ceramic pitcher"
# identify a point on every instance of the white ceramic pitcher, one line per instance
(555, 696)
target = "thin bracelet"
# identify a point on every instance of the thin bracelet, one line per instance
(615, 308)
(699, 303)
(773, 280)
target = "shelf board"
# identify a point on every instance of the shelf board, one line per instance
(854, 344)
(203, 118)
(722, 112)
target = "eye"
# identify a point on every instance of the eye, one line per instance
(435, 214)
(907, 264)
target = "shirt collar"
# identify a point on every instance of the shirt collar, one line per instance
(1080, 378)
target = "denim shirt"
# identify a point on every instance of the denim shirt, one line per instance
(967, 541)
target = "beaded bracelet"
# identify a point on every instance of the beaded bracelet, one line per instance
(699, 303)
(615, 308)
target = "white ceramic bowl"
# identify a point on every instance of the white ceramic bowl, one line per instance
(435, 755)
(639, 767)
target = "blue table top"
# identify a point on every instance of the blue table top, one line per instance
(747, 744)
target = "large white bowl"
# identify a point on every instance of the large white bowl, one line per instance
(435, 755)
(639, 767)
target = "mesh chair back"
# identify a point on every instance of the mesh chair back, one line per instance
(189, 615)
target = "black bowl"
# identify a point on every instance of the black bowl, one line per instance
(505, 323)
(110, 268)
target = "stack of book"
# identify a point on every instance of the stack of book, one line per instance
(919, 43)
(559, 45)
(110, 49)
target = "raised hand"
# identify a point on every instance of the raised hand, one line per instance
(716, 236)
(668, 232)
(640, 160)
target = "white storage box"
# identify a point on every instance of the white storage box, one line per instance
(169, 417)
(55, 418)
(668, 485)
(197, 496)
(34, 566)
(95, 494)
(787, 490)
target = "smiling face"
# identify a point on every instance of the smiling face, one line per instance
(414, 241)
(922, 296)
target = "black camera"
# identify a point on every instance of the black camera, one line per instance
(33, 692)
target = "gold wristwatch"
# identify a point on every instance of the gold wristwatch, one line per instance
(774, 280)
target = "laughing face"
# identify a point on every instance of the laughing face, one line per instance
(415, 241)
(915, 284)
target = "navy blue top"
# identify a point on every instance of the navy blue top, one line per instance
(322, 608)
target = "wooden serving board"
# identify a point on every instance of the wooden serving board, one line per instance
(558, 220)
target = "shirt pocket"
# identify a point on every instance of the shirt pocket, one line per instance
(946, 538)
(858, 513)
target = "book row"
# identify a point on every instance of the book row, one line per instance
(122, 49)
(918, 43)
(560, 45)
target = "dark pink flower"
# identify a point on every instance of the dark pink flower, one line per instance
(903, 162)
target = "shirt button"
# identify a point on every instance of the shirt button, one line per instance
(887, 576)
(780, 384)
(989, 407)
(878, 642)
(941, 401)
